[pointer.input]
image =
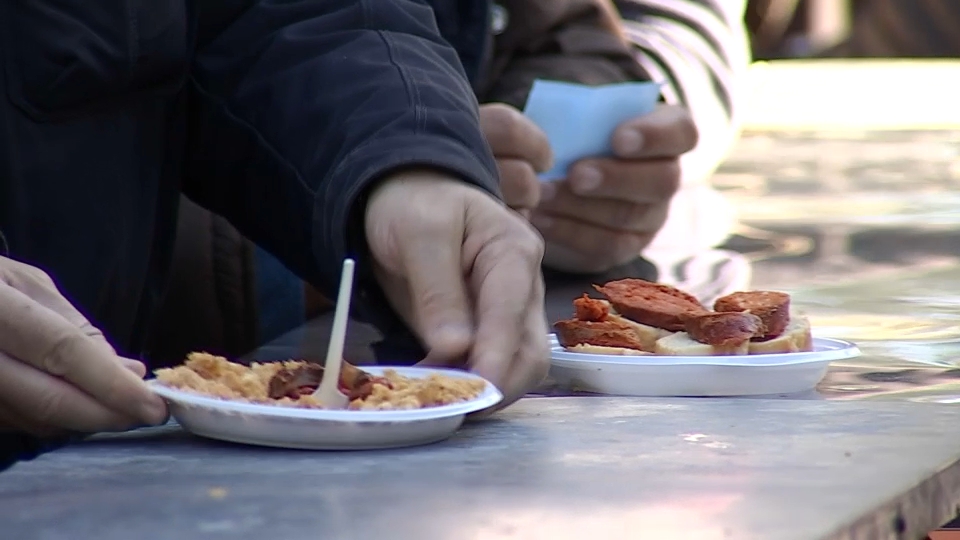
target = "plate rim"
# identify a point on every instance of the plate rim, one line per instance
(839, 350)
(490, 396)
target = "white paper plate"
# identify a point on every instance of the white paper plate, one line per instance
(318, 429)
(651, 375)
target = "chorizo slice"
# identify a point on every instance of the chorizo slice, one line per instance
(772, 307)
(652, 304)
(723, 330)
(609, 333)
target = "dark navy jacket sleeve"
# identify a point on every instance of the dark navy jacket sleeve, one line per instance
(298, 107)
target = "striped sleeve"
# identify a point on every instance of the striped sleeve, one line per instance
(700, 51)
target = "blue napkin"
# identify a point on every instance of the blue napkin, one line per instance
(579, 120)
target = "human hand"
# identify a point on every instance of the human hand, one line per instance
(521, 150)
(609, 209)
(58, 374)
(464, 272)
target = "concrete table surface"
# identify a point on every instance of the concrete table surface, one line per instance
(560, 468)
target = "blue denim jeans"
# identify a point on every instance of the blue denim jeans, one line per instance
(280, 302)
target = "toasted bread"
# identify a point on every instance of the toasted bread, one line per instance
(681, 344)
(796, 338)
(647, 335)
(615, 331)
(612, 351)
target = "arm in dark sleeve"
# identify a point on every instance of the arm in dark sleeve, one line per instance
(298, 108)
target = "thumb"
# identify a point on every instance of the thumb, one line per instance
(438, 294)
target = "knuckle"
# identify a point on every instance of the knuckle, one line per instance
(530, 243)
(436, 302)
(49, 407)
(24, 275)
(501, 116)
(58, 354)
(513, 132)
(521, 239)
(43, 278)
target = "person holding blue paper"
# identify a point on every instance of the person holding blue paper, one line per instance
(605, 210)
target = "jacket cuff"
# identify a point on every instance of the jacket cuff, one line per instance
(340, 223)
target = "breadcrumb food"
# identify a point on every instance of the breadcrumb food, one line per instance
(215, 376)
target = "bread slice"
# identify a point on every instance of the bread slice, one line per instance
(796, 338)
(681, 344)
(612, 351)
(647, 335)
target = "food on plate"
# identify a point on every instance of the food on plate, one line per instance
(772, 307)
(292, 384)
(723, 329)
(302, 380)
(639, 317)
(796, 337)
(652, 304)
(596, 325)
(599, 349)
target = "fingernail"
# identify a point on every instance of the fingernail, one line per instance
(547, 191)
(586, 178)
(627, 143)
(155, 412)
(136, 367)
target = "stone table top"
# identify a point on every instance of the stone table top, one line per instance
(561, 468)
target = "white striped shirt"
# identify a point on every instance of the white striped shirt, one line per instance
(700, 50)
